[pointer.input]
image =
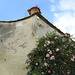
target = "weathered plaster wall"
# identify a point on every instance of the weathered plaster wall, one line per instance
(16, 40)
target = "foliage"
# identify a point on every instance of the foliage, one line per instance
(53, 55)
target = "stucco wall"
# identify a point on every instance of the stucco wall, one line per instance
(16, 40)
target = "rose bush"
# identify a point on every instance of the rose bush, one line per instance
(54, 55)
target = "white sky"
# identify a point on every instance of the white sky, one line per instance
(64, 15)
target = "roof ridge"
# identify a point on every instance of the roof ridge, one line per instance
(39, 15)
(18, 19)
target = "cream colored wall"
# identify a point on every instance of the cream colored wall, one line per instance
(16, 40)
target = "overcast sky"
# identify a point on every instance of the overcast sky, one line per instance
(61, 13)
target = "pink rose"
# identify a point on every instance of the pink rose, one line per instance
(30, 56)
(36, 47)
(36, 64)
(49, 71)
(69, 40)
(65, 63)
(72, 59)
(50, 52)
(66, 35)
(45, 45)
(47, 55)
(32, 48)
(55, 64)
(57, 49)
(52, 58)
(55, 37)
(29, 60)
(48, 42)
(41, 50)
(67, 55)
(68, 73)
(52, 42)
(42, 72)
(45, 64)
(72, 44)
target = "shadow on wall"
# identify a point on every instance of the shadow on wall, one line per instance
(6, 30)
